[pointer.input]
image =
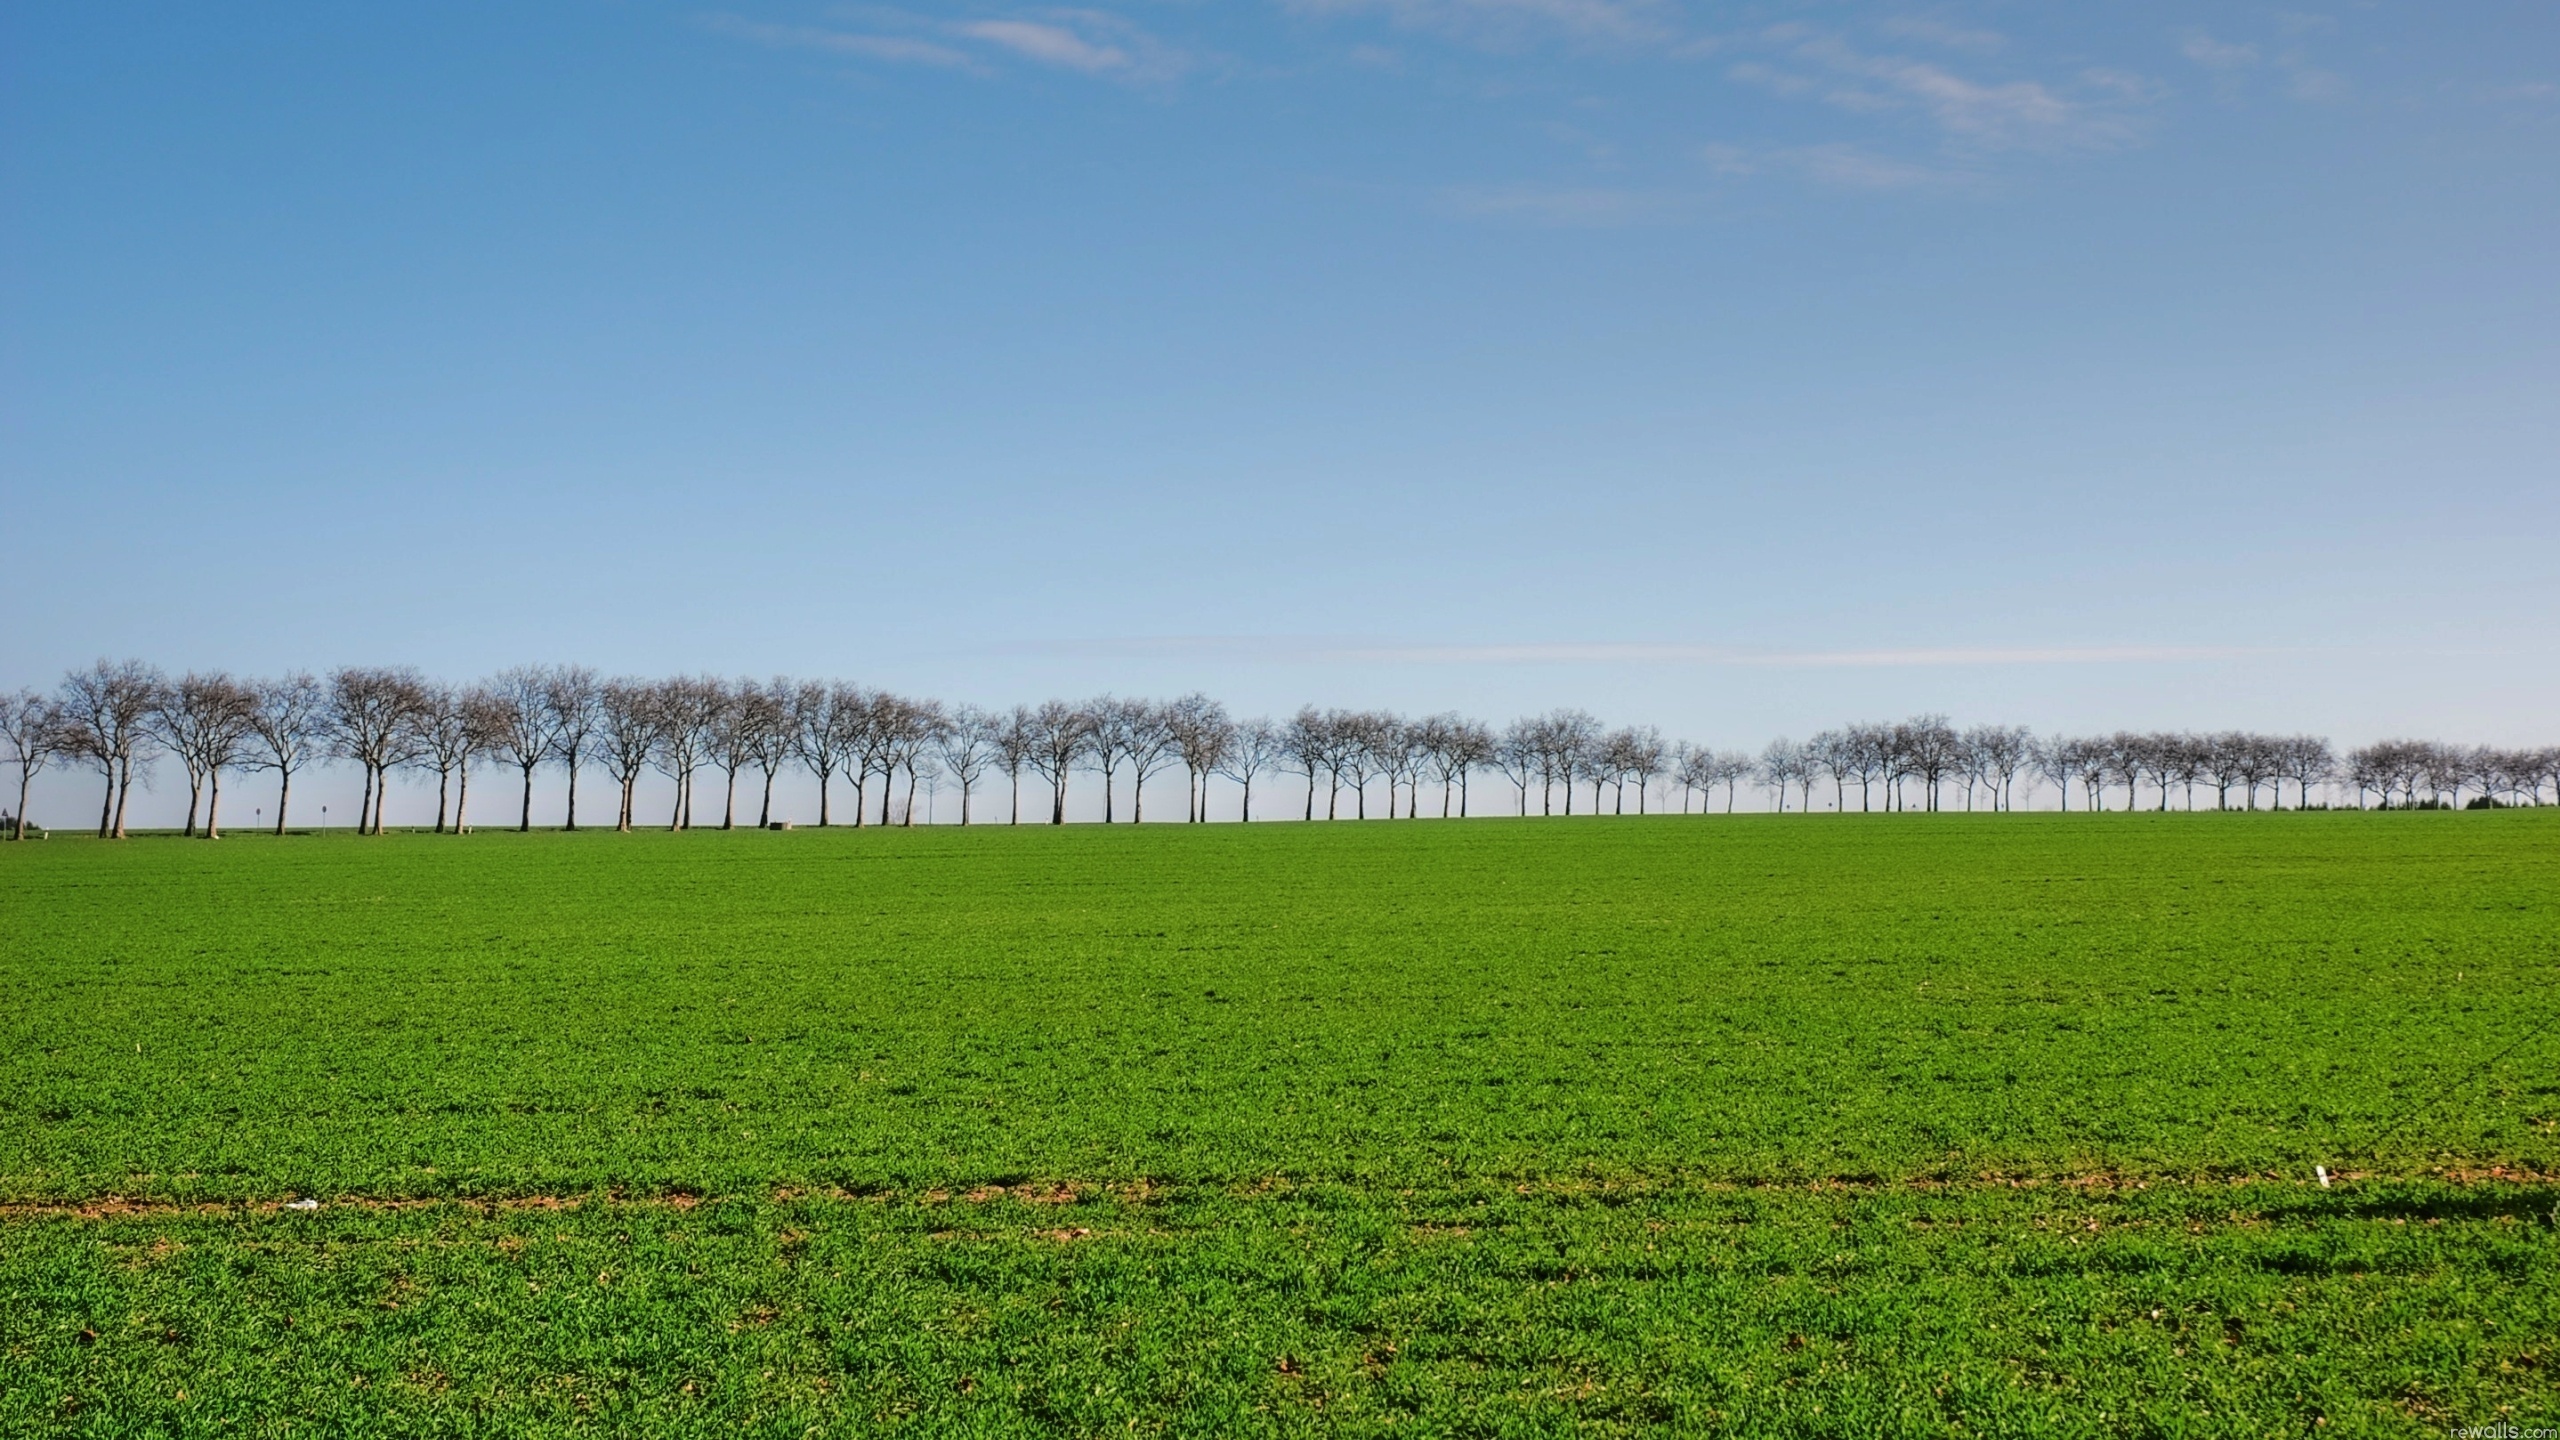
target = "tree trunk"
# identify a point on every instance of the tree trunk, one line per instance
(1137, 796)
(1242, 816)
(24, 776)
(524, 823)
(213, 805)
(1058, 795)
(462, 802)
(107, 804)
(910, 819)
(444, 778)
(823, 777)
(675, 813)
(764, 817)
(729, 808)
(195, 797)
(571, 760)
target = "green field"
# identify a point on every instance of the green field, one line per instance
(1897, 1124)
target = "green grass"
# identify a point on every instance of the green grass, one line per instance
(1912, 1124)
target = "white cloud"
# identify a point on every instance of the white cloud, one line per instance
(1944, 35)
(1090, 42)
(2214, 54)
(1049, 44)
(1976, 114)
(1512, 22)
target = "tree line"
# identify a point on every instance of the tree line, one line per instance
(118, 719)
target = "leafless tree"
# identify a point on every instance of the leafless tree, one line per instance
(1456, 748)
(453, 727)
(1307, 741)
(1733, 767)
(626, 736)
(1999, 752)
(1520, 755)
(525, 737)
(965, 745)
(373, 721)
(912, 730)
(1060, 734)
(106, 712)
(1254, 747)
(817, 729)
(1201, 733)
(290, 722)
(32, 736)
(575, 699)
(1016, 741)
(688, 713)
(2307, 761)
(774, 736)
(1784, 764)
(733, 740)
(203, 720)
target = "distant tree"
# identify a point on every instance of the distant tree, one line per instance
(1015, 741)
(575, 699)
(733, 740)
(1519, 756)
(626, 736)
(2056, 761)
(525, 737)
(105, 712)
(373, 721)
(1059, 733)
(1307, 741)
(1733, 767)
(290, 723)
(1457, 747)
(817, 724)
(773, 736)
(1999, 752)
(1357, 738)
(965, 745)
(1934, 751)
(1784, 764)
(1201, 734)
(1572, 742)
(31, 735)
(1145, 738)
(2308, 761)
(1835, 754)
(453, 727)
(913, 729)
(688, 713)
(203, 720)
(1253, 747)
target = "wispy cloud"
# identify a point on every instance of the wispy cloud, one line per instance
(1946, 36)
(2215, 54)
(1513, 22)
(1292, 650)
(1841, 166)
(1089, 42)
(1990, 115)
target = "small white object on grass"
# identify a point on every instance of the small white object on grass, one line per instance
(2323, 1172)
(302, 1204)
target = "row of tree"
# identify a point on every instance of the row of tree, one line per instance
(119, 718)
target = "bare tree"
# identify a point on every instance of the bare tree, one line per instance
(290, 722)
(1016, 741)
(626, 735)
(1115, 725)
(1059, 734)
(1784, 764)
(575, 699)
(1201, 734)
(453, 727)
(32, 736)
(373, 721)
(817, 727)
(1254, 747)
(1456, 747)
(911, 732)
(203, 720)
(105, 712)
(1307, 742)
(525, 737)
(1518, 755)
(688, 714)
(965, 745)
(731, 742)
(1999, 752)
(773, 737)
(2307, 761)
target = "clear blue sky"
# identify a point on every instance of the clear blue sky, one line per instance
(1738, 369)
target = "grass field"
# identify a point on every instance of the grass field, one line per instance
(1898, 1124)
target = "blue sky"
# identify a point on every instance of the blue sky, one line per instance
(1738, 369)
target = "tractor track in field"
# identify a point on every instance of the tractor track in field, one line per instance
(1139, 1193)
